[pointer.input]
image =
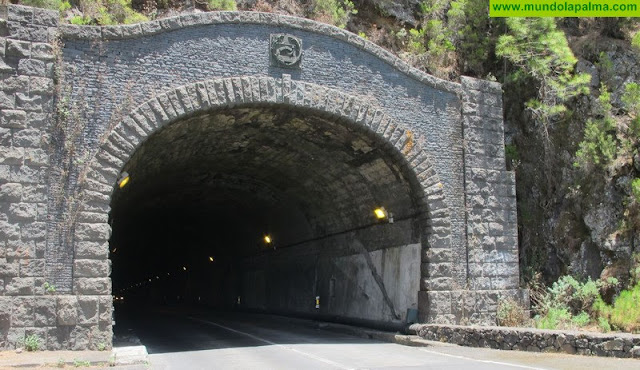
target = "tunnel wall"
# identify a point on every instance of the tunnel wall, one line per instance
(364, 281)
(114, 86)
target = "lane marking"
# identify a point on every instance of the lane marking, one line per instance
(485, 361)
(317, 358)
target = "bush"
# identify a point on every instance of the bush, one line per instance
(599, 146)
(31, 342)
(581, 320)
(538, 48)
(555, 318)
(511, 313)
(624, 314)
(336, 12)
(222, 5)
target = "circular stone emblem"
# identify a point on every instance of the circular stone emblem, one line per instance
(286, 50)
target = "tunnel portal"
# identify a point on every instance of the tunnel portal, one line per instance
(205, 191)
(162, 154)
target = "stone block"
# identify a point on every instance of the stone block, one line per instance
(45, 311)
(91, 268)
(42, 51)
(10, 192)
(10, 118)
(87, 310)
(22, 211)
(30, 138)
(31, 67)
(20, 286)
(80, 338)
(34, 193)
(9, 268)
(93, 232)
(32, 268)
(34, 103)
(67, 310)
(92, 286)
(105, 309)
(19, 49)
(7, 100)
(34, 230)
(15, 337)
(11, 155)
(23, 312)
(59, 338)
(94, 250)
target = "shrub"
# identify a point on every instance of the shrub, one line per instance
(222, 5)
(539, 49)
(604, 325)
(336, 12)
(582, 319)
(511, 313)
(554, 318)
(31, 342)
(625, 313)
(599, 146)
(635, 41)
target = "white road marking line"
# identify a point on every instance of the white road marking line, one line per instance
(485, 361)
(317, 358)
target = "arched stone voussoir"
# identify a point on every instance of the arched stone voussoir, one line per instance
(244, 91)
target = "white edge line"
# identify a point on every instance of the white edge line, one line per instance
(485, 361)
(317, 358)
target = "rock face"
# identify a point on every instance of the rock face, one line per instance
(403, 10)
(575, 220)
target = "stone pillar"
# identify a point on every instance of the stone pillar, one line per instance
(30, 287)
(492, 229)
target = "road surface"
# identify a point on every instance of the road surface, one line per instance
(247, 341)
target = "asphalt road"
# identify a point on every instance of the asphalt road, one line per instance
(237, 341)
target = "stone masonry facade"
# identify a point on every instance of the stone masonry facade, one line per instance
(139, 78)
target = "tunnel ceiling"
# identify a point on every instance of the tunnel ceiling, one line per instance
(221, 180)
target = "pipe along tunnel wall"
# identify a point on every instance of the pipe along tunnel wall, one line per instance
(225, 138)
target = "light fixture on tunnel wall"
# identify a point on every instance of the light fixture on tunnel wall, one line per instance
(184, 268)
(124, 179)
(210, 259)
(382, 214)
(268, 240)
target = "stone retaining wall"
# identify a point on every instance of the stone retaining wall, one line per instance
(534, 340)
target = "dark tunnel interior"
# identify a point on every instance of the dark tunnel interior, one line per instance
(204, 192)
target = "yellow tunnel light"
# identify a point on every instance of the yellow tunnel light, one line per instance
(267, 239)
(184, 268)
(124, 180)
(211, 259)
(380, 213)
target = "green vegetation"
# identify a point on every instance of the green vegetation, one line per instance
(336, 12)
(542, 52)
(511, 313)
(222, 5)
(31, 342)
(635, 41)
(599, 146)
(49, 288)
(106, 12)
(624, 314)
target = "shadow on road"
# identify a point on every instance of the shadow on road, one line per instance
(168, 329)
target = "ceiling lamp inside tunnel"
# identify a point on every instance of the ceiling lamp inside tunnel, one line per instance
(267, 239)
(123, 180)
(382, 214)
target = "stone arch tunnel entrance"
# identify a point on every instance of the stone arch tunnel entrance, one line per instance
(234, 126)
(213, 185)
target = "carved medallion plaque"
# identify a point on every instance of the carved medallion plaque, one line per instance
(286, 50)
